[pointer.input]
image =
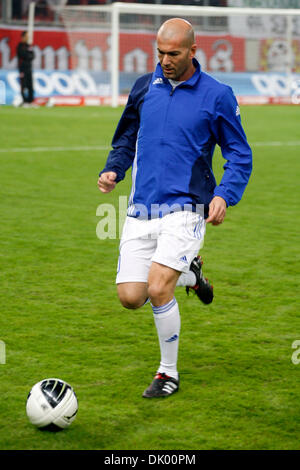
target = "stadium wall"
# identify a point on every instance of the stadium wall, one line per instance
(84, 77)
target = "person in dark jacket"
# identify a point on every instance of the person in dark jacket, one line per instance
(168, 131)
(25, 56)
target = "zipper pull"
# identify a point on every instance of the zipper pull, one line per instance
(172, 91)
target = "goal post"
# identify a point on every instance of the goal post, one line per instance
(232, 41)
(30, 26)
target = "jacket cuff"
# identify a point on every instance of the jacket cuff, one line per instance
(219, 192)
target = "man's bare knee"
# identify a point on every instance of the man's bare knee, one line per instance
(156, 292)
(161, 283)
(132, 295)
(130, 303)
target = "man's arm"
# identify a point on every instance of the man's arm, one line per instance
(31, 53)
(125, 137)
(25, 53)
(123, 143)
(231, 137)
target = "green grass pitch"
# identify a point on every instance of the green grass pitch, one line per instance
(60, 316)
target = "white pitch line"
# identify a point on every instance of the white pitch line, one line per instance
(53, 149)
(275, 144)
(100, 147)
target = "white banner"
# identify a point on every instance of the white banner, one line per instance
(264, 3)
(263, 27)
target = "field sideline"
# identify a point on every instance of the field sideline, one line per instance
(60, 316)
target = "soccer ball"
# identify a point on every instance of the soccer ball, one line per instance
(51, 404)
(17, 101)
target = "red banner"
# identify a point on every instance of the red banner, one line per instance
(88, 50)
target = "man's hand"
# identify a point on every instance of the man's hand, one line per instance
(217, 211)
(106, 182)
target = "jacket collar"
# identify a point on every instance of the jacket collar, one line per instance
(190, 82)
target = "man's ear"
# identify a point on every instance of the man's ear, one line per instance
(193, 51)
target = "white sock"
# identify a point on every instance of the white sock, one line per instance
(167, 322)
(186, 279)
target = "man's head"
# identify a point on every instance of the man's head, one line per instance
(176, 48)
(24, 36)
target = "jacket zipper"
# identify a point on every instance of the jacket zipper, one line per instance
(167, 112)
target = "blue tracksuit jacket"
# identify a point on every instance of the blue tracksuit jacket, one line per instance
(169, 136)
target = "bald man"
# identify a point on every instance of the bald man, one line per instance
(173, 119)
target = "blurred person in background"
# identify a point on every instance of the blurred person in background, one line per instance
(25, 56)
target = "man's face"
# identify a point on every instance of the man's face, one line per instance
(25, 38)
(175, 58)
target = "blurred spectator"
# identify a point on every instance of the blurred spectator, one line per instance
(42, 11)
(77, 2)
(215, 3)
(20, 5)
(25, 56)
(199, 3)
(17, 10)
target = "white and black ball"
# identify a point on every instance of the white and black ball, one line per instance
(51, 404)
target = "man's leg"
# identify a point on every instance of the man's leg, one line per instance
(132, 295)
(161, 285)
(160, 290)
(180, 238)
(22, 86)
(195, 280)
(30, 87)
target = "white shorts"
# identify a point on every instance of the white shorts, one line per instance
(173, 240)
